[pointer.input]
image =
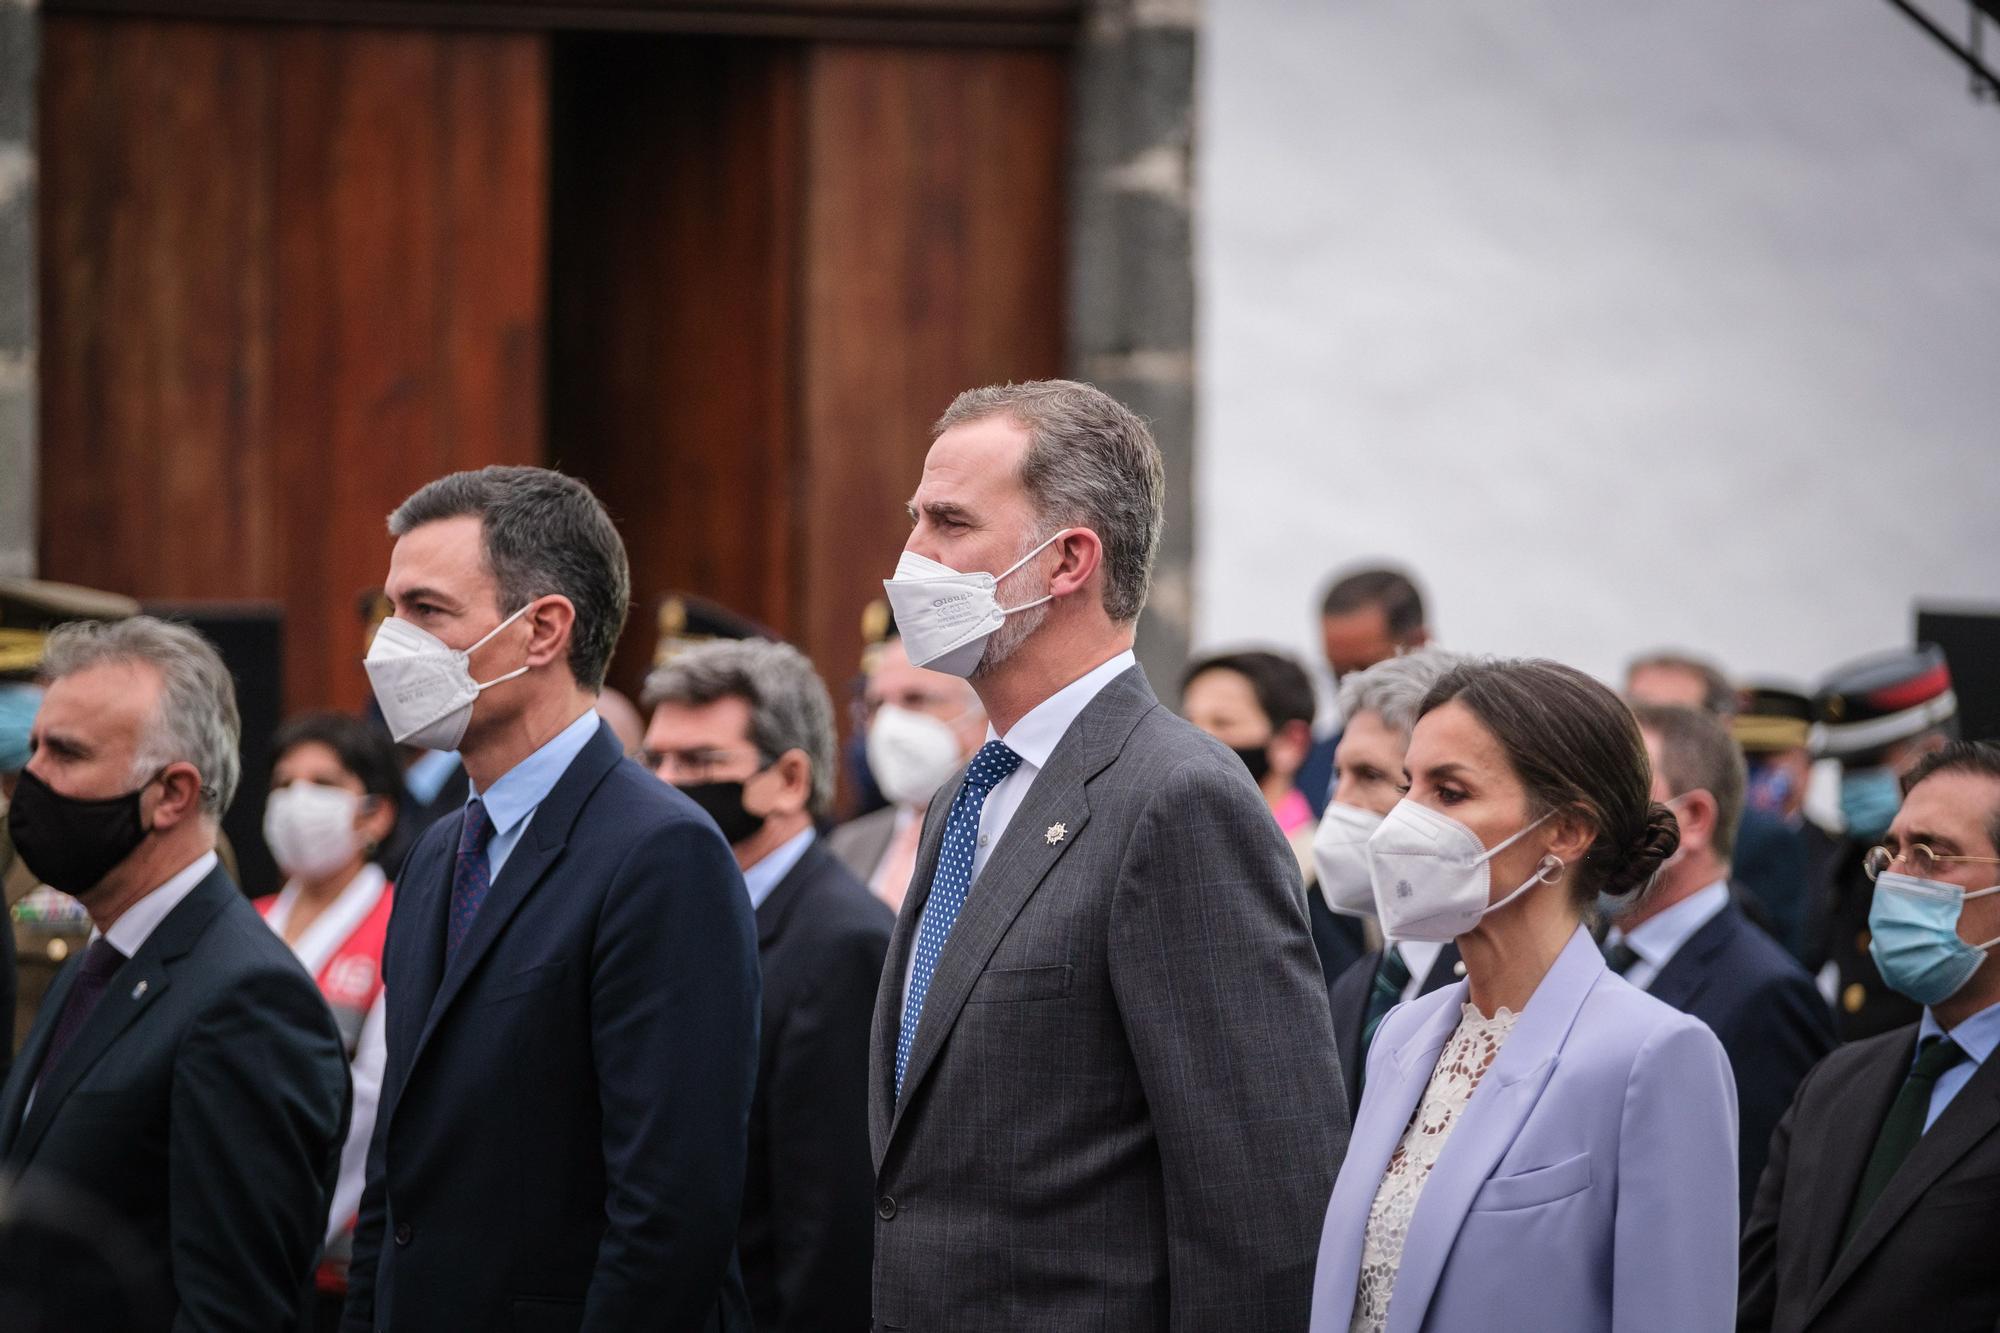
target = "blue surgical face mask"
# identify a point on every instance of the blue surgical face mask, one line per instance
(1913, 936)
(1869, 800)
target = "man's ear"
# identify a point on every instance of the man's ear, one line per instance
(1696, 813)
(794, 772)
(179, 799)
(1080, 553)
(1290, 744)
(551, 621)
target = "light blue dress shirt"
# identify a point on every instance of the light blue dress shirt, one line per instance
(768, 873)
(1657, 939)
(511, 801)
(1976, 1036)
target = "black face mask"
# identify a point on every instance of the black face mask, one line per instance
(1256, 758)
(723, 802)
(69, 843)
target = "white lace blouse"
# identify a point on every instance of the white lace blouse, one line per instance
(1465, 1058)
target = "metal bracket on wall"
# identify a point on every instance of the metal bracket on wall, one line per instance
(1985, 83)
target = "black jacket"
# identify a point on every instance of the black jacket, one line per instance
(560, 1140)
(1348, 997)
(1770, 1019)
(203, 1105)
(1923, 1257)
(806, 1243)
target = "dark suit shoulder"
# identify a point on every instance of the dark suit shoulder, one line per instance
(1750, 954)
(1856, 1058)
(833, 904)
(1352, 985)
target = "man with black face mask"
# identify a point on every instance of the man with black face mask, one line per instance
(183, 1073)
(745, 729)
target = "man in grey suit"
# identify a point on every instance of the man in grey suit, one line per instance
(1103, 1087)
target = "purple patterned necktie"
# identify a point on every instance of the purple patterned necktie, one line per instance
(469, 876)
(100, 961)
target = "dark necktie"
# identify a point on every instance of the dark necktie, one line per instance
(1619, 957)
(469, 877)
(100, 962)
(1902, 1127)
(1385, 992)
(949, 885)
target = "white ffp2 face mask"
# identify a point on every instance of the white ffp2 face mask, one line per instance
(1340, 859)
(946, 617)
(911, 754)
(310, 829)
(424, 685)
(1432, 875)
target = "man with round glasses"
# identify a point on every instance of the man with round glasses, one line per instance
(1877, 1214)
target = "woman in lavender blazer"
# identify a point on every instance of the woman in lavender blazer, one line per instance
(1541, 1146)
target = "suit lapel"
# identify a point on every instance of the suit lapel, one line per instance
(1688, 973)
(1843, 1152)
(133, 990)
(540, 846)
(777, 906)
(1020, 861)
(1490, 1122)
(1972, 1115)
(29, 1061)
(422, 904)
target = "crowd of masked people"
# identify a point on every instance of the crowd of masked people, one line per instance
(1444, 992)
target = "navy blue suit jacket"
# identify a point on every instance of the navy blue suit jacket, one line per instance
(560, 1141)
(202, 1106)
(1773, 1024)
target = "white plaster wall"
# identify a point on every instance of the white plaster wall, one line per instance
(1624, 325)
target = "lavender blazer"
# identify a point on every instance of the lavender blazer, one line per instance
(1590, 1183)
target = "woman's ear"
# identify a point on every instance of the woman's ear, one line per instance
(1570, 835)
(376, 820)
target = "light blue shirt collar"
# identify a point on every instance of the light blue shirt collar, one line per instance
(770, 872)
(1657, 939)
(1976, 1036)
(425, 778)
(527, 784)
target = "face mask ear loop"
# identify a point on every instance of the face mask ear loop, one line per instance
(499, 680)
(1025, 606)
(1502, 846)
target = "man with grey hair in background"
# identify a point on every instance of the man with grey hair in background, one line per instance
(1380, 706)
(745, 729)
(1103, 1088)
(183, 1073)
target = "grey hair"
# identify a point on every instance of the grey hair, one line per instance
(1091, 463)
(195, 721)
(540, 533)
(789, 705)
(1394, 689)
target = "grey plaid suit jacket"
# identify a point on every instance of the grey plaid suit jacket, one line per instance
(1123, 1109)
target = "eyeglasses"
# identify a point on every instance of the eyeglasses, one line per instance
(696, 766)
(1922, 860)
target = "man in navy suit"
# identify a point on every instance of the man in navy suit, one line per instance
(746, 730)
(571, 968)
(1689, 944)
(184, 1086)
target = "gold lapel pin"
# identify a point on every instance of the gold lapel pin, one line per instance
(1057, 832)
(139, 989)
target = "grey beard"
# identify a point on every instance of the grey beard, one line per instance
(1006, 640)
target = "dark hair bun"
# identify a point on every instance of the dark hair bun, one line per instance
(1642, 859)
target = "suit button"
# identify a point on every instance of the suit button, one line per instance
(402, 1233)
(885, 1208)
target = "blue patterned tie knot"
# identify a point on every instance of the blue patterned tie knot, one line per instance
(950, 884)
(469, 876)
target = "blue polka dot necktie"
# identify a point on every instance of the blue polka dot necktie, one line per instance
(469, 880)
(949, 885)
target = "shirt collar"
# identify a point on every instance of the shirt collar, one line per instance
(332, 927)
(527, 784)
(1036, 735)
(142, 918)
(770, 872)
(1976, 1036)
(1659, 938)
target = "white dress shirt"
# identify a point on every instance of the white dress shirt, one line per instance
(768, 873)
(1034, 738)
(1658, 938)
(1420, 956)
(314, 949)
